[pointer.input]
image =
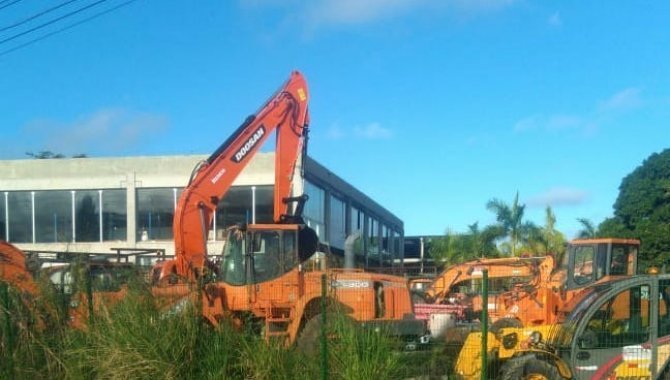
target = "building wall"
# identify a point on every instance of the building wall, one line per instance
(55, 205)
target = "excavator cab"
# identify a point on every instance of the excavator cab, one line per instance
(588, 261)
(262, 252)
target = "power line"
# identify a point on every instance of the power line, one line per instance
(36, 15)
(11, 2)
(102, 13)
(38, 27)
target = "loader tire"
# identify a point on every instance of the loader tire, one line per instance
(528, 368)
(504, 323)
(308, 341)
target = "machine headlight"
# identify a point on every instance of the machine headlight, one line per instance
(510, 340)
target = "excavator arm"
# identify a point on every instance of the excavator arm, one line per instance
(441, 287)
(14, 271)
(286, 113)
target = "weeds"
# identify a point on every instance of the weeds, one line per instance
(133, 340)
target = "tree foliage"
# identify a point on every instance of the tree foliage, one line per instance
(457, 248)
(546, 239)
(642, 209)
(510, 222)
(47, 154)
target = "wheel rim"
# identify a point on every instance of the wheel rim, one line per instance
(536, 376)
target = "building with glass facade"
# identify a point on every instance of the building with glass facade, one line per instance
(97, 204)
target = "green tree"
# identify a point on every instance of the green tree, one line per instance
(510, 221)
(453, 248)
(642, 209)
(548, 239)
(47, 154)
(588, 230)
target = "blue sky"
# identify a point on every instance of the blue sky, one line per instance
(430, 107)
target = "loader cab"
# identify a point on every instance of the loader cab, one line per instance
(262, 252)
(619, 330)
(590, 260)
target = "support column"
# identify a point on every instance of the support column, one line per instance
(131, 209)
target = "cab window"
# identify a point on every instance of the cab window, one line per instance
(582, 268)
(622, 260)
(621, 321)
(266, 254)
(664, 308)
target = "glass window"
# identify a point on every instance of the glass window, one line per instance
(3, 217)
(87, 215)
(266, 253)
(583, 265)
(314, 213)
(357, 218)
(336, 224)
(664, 309)
(264, 204)
(155, 212)
(20, 217)
(385, 239)
(621, 321)
(397, 244)
(373, 235)
(233, 208)
(114, 215)
(622, 260)
(291, 259)
(53, 216)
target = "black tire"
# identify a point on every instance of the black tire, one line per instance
(528, 368)
(308, 341)
(504, 323)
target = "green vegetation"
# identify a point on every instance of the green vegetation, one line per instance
(135, 340)
(642, 209)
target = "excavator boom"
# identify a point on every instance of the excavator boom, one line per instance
(286, 113)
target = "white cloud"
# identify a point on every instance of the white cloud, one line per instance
(558, 196)
(319, 13)
(335, 132)
(106, 131)
(556, 122)
(587, 123)
(626, 99)
(555, 19)
(373, 131)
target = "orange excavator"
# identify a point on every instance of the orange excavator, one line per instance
(454, 293)
(14, 269)
(545, 298)
(264, 273)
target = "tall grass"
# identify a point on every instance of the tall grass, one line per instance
(134, 340)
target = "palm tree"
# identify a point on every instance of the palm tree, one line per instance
(510, 221)
(588, 231)
(549, 240)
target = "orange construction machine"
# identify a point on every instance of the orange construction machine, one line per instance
(586, 262)
(264, 273)
(456, 290)
(14, 269)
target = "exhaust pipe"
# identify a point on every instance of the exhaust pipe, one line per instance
(349, 262)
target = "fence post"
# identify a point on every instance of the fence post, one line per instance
(324, 329)
(89, 294)
(485, 321)
(9, 333)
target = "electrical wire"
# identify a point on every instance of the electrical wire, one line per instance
(11, 2)
(38, 27)
(87, 19)
(36, 15)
